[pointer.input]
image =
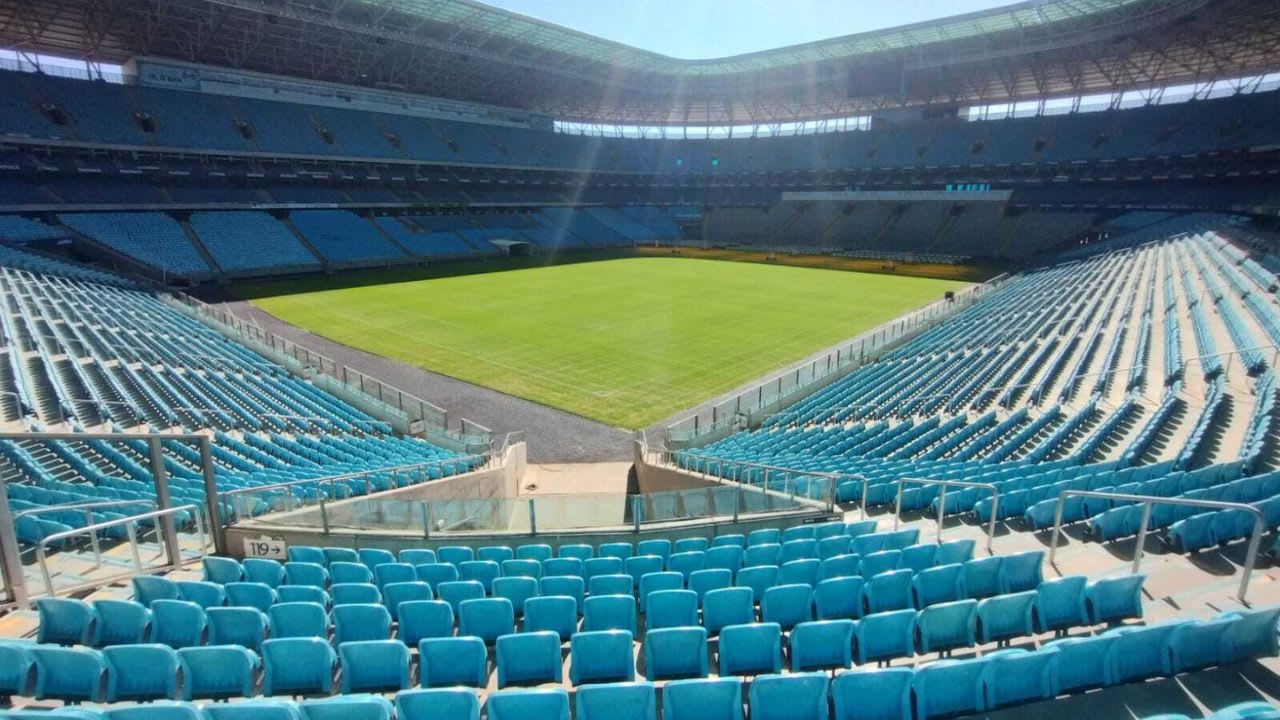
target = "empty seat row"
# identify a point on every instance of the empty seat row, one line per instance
(946, 687)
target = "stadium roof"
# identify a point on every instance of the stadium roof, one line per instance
(466, 50)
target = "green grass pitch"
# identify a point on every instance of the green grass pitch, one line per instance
(625, 341)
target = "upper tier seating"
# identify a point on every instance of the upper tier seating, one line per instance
(151, 238)
(250, 240)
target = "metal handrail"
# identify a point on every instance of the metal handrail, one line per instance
(130, 524)
(942, 503)
(1147, 501)
(87, 508)
(224, 496)
(830, 477)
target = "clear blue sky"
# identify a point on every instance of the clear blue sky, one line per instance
(699, 29)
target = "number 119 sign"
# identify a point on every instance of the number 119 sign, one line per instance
(270, 548)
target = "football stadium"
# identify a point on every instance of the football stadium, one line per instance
(448, 360)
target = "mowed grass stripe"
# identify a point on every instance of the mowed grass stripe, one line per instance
(626, 342)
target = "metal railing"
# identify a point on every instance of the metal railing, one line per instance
(170, 543)
(1147, 501)
(942, 503)
(230, 498)
(87, 509)
(833, 479)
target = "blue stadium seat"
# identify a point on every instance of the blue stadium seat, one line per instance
(65, 621)
(883, 694)
(257, 570)
(298, 620)
(725, 607)
(353, 707)
(725, 557)
(119, 622)
(949, 687)
(458, 592)
(801, 549)
(657, 582)
(580, 552)
(609, 612)
(1112, 600)
(141, 672)
(558, 567)
(764, 536)
(688, 544)
(373, 557)
(918, 557)
(702, 582)
(517, 589)
(551, 613)
(205, 594)
(68, 674)
(310, 574)
(1020, 572)
(449, 661)
(537, 552)
(982, 577)
(885, 636)
(616, 701)
(541, 704)
(595, 567)
(838, 598)
(1003, 617)
(566, 586)
(1251, 636)
(601, 656)
(217, 672)
(943, 627)
(438, 704)
(259, 596)
(1060, 604)
(149, 588)
(417, 556)
(758, 578)
(242, 626)
(252, 710)
(1143, 652)
(940, 584)
(620, 550)
(822, 645)
(619, 584)
(787, 605)
(530, 657)
(421, 619)
(221, 570)
(178, 623)
(360, 622)
(800, 572)
(306, 554)
(639, 566)
(339, 554)
(703, 699)
(660, 547)
(754, 649)
(763, 554)
(954, 551)
(495, 554)
(388, 574)
(887, 591)
(374, 666)
(349, 572)
(354, 594)
(879, 562)
(297, 666)
(1016, 676)
(675, 652)
(686, 563)
(434, 574)
(522, 568)
(798, 696)
(1085, 663)
(671, 609)
(486, 618)
(1201, 644)
(155, 711)
(455, 554)
(480, 571)
(302, 594)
